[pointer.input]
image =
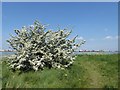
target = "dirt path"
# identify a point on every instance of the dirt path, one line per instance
(92, 75)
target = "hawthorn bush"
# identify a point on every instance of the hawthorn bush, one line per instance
(36, 48)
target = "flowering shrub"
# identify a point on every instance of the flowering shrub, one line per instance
(36, 49)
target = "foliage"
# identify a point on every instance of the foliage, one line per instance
(36, 49)
(88, 71)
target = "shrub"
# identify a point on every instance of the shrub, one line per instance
(36, 48)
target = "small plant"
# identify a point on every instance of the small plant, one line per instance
(36, 49)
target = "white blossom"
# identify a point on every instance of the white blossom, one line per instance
(36, 49)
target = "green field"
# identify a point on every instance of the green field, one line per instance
(88, 71)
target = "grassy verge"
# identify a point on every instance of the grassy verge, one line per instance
(88, 71)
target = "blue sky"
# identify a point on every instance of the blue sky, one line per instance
(97, 23)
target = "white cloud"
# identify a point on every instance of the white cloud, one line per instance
(80, 38)
(111, 37)
(108, 37)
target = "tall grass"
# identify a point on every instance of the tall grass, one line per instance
(88, 71)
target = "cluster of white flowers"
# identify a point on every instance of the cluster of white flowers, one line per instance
(36, 49)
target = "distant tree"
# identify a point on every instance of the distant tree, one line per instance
(36, 49)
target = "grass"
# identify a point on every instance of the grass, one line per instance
(88, 71)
